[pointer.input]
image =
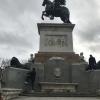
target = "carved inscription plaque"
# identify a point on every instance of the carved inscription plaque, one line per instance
(56, 41)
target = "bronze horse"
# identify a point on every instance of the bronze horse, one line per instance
(52, 11)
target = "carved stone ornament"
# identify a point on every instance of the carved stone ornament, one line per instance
(57, 72)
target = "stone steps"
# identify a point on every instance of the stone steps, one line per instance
(40, 94)
(8, 93)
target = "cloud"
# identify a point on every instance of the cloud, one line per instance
(86, 15)
(13, 40)
(18, 26)
(15, 7)
(18, 31)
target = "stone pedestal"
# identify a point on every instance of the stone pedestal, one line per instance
(57, 55)
(69, 57)
(56, 41)
(55, 37)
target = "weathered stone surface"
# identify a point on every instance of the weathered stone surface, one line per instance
(80, 76)
(94, 80)
(58, 87)
(14, 78)
(70, 57)
(89, 81)
(8, 93)
(55, 37)
(50, 70)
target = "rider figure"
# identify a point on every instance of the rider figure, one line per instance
(56, 5)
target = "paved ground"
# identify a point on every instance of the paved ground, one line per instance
(57, 98)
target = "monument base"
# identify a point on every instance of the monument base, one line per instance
(58, 87)
(69, 57)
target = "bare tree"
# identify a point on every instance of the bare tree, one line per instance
(4, 63)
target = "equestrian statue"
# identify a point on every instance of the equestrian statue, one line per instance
(56, 9)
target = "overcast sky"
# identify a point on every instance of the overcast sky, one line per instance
(18, 27)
